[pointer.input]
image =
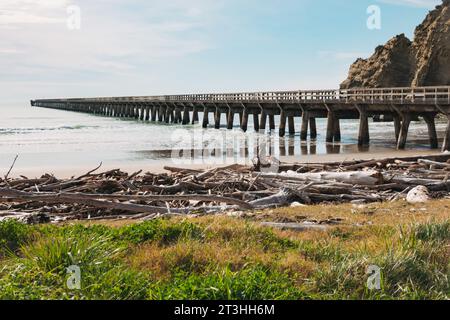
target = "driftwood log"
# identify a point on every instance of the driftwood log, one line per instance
(117, 195)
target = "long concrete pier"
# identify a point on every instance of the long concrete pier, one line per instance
(398, 105)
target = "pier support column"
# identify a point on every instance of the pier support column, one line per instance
(291, 125)
(446, 145)
(244, 120)
(304, 129)
(364, 135)
(167, 115)
(397, 126)
(154, 113)
(205, 117)
(330, 126)
(272, 122)
(431, 124)
(177, 116)
(313, 128)
(186, 116)
(406, 121)
(217, 116)
(161, 114)
(195, 118)
(230, 119)
(282, 129)
(263, 122)
(337, 129)
(147, 113)
(137, 113)
(256, 121)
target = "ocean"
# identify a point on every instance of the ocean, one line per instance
(46, 139)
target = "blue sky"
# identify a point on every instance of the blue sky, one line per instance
(145, 47)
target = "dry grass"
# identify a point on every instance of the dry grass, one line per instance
(186, 257)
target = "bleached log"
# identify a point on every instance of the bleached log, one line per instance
(363, 178)
(436, 164)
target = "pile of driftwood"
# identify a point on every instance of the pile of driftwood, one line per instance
(117, 195)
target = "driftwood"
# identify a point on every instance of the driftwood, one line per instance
(368, 178)
(116, 195)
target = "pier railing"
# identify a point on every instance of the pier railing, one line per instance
(405, 95)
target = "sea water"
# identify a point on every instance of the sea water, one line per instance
(48, 138)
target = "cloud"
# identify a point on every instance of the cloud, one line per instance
(430, 4)
(126, 35)
(14, 12)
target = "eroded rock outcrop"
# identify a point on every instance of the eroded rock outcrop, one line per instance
(402, 63)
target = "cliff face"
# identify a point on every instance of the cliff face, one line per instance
(402, 63)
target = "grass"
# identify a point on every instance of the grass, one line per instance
(228, 258)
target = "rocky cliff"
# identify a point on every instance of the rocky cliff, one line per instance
(402, 63)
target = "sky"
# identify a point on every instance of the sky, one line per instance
(85, 48)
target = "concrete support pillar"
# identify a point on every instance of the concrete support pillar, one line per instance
(263, 122)
(217, 116)
(304, 128)
(195, 118)
(406, 121)
(177, 116)
(205, 117)
(291, 125)
(172, 116)
(136, 112)
(446, 145)
(244, 120)
(272, 122)
(330, 126)
(397, 126)
(364, 135)
(186, 116)
(432, 134)
(147, 113)
(337, 129)
(230, 119)
(161, 114)
(256, 121)
(313, 128)
(282, 129)
(167, 115)
(154, 112)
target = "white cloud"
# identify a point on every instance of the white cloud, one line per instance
(9, 51)
(32, 11)
(152, 30)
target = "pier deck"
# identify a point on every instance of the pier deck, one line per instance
(398, 105)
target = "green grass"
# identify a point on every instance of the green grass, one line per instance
(223, 258)
(12, 235)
